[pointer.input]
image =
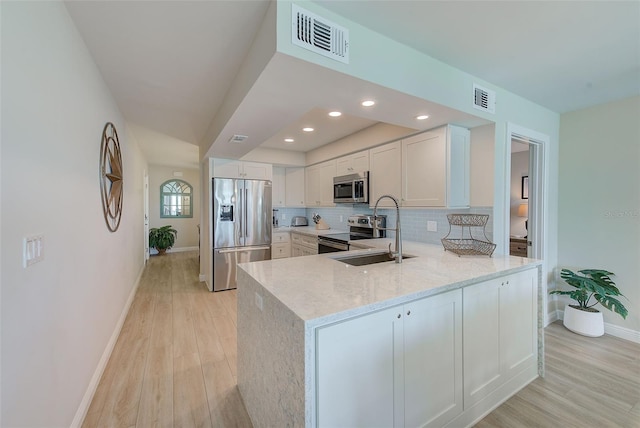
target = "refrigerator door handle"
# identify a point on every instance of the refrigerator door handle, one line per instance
(242, 249)
(246, 216)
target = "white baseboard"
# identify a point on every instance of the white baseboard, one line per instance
(153, 251)
(613, 330)
(81, 413)
(202, 278)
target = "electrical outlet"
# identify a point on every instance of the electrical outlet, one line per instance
(341, 219)
(284, 216)
(432, 226)
(259, 301)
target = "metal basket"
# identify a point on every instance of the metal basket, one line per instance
(468, 246)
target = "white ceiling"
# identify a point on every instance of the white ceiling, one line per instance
(169, 64)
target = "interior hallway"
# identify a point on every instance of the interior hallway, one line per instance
(175, 365)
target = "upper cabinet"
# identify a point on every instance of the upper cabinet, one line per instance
(294, 178)
(354, 163)
(319, 184)
(385, 173)
(279, 187)
(288, 187)
(229, 168)
(435, 168)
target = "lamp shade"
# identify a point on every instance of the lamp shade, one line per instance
(523, 210)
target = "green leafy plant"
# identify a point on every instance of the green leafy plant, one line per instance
(594, 283)
(162, 238)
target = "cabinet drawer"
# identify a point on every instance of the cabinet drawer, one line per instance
(304, 240)
(280, 251)
(280, 237)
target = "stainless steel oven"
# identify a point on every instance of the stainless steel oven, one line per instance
(360, 227)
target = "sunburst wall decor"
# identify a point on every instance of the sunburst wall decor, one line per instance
(111, 177)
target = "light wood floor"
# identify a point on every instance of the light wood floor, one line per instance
(174, 365)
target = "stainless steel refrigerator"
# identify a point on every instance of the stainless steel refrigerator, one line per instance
(241, 227)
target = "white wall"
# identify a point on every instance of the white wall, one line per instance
(599, 220)
(187, 227)
(59, 315)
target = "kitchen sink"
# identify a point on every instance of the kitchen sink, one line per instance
(369, 259)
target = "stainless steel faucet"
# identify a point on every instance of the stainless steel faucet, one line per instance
(398, 253)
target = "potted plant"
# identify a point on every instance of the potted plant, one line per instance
(162, 238)
(583, 318)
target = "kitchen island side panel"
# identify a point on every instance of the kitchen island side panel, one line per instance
(270, 357)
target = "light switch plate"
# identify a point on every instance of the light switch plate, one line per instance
(432, 226)
(32, 250)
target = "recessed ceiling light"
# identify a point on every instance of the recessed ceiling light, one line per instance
(307, 129)
(422, 117)
(289, 140)
(368, 103)
(335, 114)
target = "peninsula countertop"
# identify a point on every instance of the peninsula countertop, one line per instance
(321, 289)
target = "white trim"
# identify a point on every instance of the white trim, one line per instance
(81, 413)
(613, 330)
(202, 278)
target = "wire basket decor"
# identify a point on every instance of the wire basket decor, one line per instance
(467, 244)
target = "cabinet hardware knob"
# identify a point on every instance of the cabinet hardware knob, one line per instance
(408, 312)
(399, 315)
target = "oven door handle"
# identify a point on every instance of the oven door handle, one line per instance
(332, 244)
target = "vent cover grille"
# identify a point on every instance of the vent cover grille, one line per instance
(319, 35)
(484, 99)
(236, 138)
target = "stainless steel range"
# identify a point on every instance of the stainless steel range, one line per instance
(360, 227)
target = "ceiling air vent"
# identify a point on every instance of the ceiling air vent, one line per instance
(484, 99)
(319, 35)
(237, 138)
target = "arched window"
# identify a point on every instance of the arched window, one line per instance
(176, 199)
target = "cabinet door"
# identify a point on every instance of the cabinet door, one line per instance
(385, 173)
(227, 168)
(257, 171)
(424, 167)
(279, 187)
(355, 371)
(354, 163)
(481, 326)
(327, 172)
(433, 360)
(294, 188)
(312, 186)
(519, 331)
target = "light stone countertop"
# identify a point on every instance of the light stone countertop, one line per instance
(319, 289)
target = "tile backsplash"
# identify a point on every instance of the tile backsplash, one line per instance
(413, 220)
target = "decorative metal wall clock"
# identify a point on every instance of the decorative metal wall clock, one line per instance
(111, 177)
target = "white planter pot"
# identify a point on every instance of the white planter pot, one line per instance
(582, 322)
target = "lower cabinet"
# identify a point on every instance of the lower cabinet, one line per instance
(500, 332)
(397, 367)
(444, 360)
(303, 245)
(280, 245)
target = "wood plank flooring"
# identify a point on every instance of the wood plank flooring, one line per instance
(174, 365)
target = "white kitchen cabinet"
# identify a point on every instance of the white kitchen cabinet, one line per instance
(303, 245)
(278, 196)
(385, 173)
(353, 163)
(294, 178)
(280, 245)
(397, 367)
(500, 332)
(319, 184)
(229, 168)
(435, 168)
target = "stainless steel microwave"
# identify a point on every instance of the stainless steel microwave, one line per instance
(352, 188)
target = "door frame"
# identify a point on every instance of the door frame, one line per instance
(145, 238)
(538, 197)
